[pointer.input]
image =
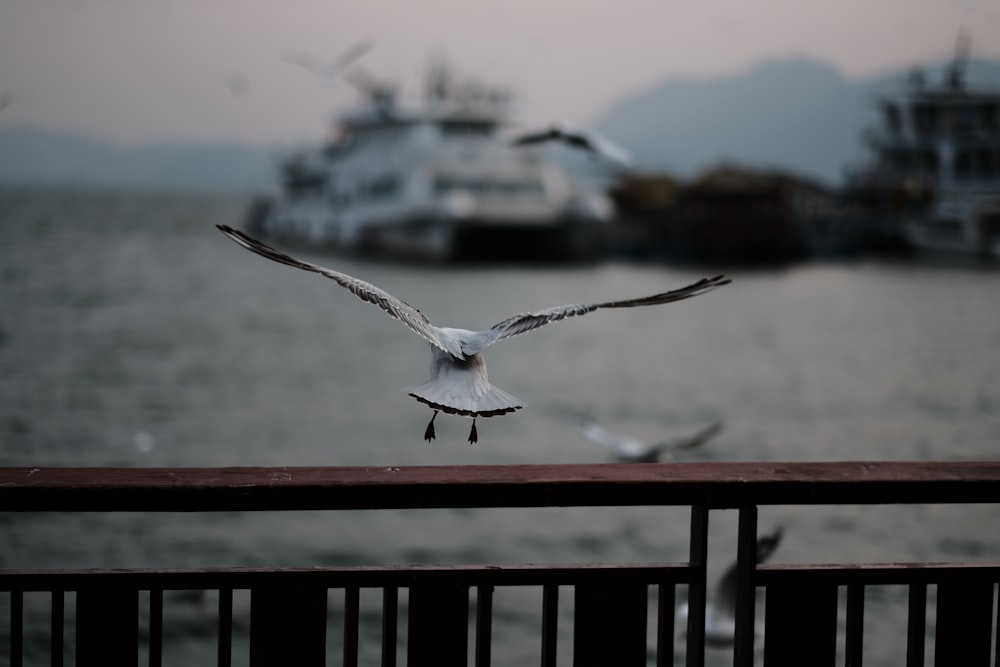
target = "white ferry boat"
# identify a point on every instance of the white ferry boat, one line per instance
(440, 182)
(943, 139)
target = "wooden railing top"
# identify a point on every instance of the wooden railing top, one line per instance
(715, 485)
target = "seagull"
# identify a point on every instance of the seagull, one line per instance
(329, 73)
(586, 140)
(632, 450)
(458, 384)
(720, 612)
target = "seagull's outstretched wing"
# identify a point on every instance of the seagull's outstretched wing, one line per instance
(402, 311)
(690, 440)
(631, 449)
(622, 445)
(519, 324)
(535, 137)
(588, 140)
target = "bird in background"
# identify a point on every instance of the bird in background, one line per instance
(589, 141)
(632, 450)
(329, 73)
(459, 384)
(720, 612)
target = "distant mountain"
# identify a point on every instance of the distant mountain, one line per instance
(38, 157)
(794, 114)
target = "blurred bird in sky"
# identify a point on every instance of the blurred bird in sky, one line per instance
(720, 612)
(459, 383)
(590, 141)
(632, 450)
(329, 73)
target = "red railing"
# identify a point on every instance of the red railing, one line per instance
(289, 605)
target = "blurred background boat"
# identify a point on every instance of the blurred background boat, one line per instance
(936, 160)
(435, 181)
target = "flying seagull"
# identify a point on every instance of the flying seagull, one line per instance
(632, 450)
(458, 383)
(587, 140)
(720, 613)
(329, 72)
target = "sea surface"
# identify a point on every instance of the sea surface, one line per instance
(132, 333)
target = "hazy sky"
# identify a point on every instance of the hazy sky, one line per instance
(147, 70)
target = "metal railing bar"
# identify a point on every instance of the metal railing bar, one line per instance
(484, 625)
(57, 622)
(390, 625)
(352, 611)
(666, 609)
(16, 628)
(746, 567)
(155, 627)
(916, 625)
(996, 632)
(715, 485)
(855, 625)
(224, 650)
(342, 577)
(869, 574)
(550, 624)
(697, 588)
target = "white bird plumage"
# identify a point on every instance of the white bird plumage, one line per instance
(459, 384)
(632, 450)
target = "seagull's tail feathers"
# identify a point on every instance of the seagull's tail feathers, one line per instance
(489, 402)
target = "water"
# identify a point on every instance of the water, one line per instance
(132, 333)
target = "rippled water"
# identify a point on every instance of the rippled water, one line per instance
(132, 333)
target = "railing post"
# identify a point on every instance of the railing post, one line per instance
(155, 627)
(746, 587)
(57, 623)
(484, 625)
(697, 588)
(16, 628)
(224, 646)
(550, 624)
(666, 611)
(916, 625)
(855, 627)
(352, 610)
(390, 626)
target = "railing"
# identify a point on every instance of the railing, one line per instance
(289, 605)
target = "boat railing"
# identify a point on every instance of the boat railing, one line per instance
(448, 616)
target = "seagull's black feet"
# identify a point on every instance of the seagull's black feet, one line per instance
(429, 431)
(473, 435)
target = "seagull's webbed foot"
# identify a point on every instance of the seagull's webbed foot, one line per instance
(429, 431)
(473, 434)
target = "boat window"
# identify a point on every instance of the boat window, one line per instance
(381, 187)
(483, 187)
(926, 119)
(989, 116)
(944, 229)
(465, 129)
